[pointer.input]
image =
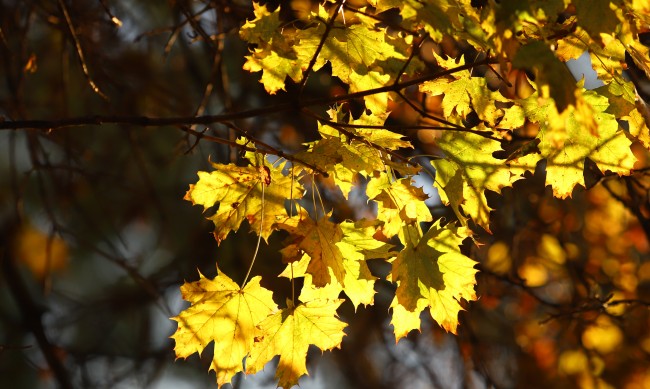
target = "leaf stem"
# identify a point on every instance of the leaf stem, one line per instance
(259, 237)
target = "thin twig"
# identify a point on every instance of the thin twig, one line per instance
(114, 19)
(499, 76)
(259, 234)
(80, 53)
(414, 50)
(265, 148)
(195, 25)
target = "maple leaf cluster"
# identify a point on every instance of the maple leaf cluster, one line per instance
(571, 126)
(245, 323)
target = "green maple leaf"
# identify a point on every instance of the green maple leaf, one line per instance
(431, 272)
(237, 190)
(223, 313)
(468, 170)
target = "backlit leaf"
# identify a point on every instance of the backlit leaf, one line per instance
(237, 190)
(583, 131)
(318, 240)
(289, 333)
(470, 169)
(431, 272)
(223, 313)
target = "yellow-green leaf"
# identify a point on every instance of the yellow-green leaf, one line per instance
(398, 203)
(583, 131)
(470, 169)
(275, 55)
(290, 332)
(431, 272)
(223, 313)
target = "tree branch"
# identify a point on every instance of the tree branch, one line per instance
(146, 121)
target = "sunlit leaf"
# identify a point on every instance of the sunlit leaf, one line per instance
(431, 272)
(290, 332)
(223, 313)
(237, 190)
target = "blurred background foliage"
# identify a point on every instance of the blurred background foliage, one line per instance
(96, 238)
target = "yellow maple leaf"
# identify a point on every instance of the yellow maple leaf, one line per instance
(275, 66)
(275, 55)
(463, 93)
(362, 55)
(398, 202)
(238, 192)
(607, 58)
(318, 240)
(289, 332)
(356, 246)
(222, 312)
(431, 272)
(432, 16)
(345, 155)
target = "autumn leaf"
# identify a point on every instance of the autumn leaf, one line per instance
(596, 16)
(275, 55)
(468, 170)
(607, 58)
(357, 246)
(223, 313)
(399, 202)
(431, 272)
(360, 55)
(463, 93)
(237, 190)
(40, 252)
(318, 240)
(553, 78)
(289, 333)
(432, 16)
(346, 152)
(583, 131)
